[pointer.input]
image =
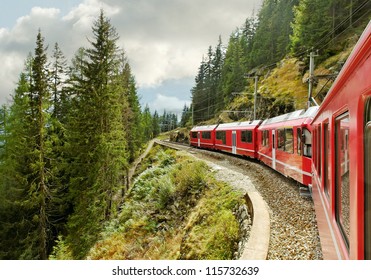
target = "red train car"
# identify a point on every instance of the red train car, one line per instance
(237, 138)
(342, 159)
(284, 144)
(203, 136)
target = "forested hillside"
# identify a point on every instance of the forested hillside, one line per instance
(66, 144)
(274, 46)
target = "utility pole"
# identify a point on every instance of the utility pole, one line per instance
(311, 77)
(256, 78)
(255, 94)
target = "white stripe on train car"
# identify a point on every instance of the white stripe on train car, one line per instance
(288, 166)
(328, 221)
(230, 147)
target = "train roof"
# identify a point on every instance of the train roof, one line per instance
(296, 115)
(204, 127)
(234, 125)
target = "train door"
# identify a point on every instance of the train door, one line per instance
(273, 149)
(234, 142)
(199, 139)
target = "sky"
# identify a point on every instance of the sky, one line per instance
(164, 40)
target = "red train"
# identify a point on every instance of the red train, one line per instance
(341, 163)
(283, 142)
(326, 148)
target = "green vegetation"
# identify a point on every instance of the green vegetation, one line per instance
(174, 210)
(66, 143)
(275, 45)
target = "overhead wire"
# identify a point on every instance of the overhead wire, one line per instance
(328, 36)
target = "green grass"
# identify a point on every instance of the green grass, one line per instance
(175, 210)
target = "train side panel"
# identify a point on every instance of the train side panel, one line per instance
(341, 169)
(284, 144)
(237, 138)
(203, 136)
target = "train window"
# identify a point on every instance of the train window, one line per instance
(281, 139)
(221, 135)
(307, 142)
(246, 136)
(326, 171)
(286, 140)
(289, 140)
(319, 150)
(298, 141)
(194, 134)
(367, 159)
(206, 134)
(342, 187)
(265, 138)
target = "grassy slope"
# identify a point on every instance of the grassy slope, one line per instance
(175, 210)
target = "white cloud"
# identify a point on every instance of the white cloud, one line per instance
(171, 104)
(163, 39)
(8, 78)
(83, 15)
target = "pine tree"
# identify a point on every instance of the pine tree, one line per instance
(25, 165)
(17, 209)
(58, 73)
(234, 67)
(147, 124)
(132, 114)
(40, 188)
(97, 138)
(156, 124)
(186, 115)
(312, 22)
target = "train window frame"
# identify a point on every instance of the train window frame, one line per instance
(307, 143)
(246, 136)
(326, 158)
(285, 139)
(206, 135)
(194, 134)
(266, 136)
(289, 140)
(222, 136)
(367, 181)
(340, 188)
(281, 139)
(319, 151)
(298, 141)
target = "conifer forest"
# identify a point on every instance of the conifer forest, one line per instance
(74, 128)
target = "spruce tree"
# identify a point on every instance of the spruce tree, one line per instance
(97, 140)
(156, 124)
(58, 73)
(17, 209)
(39, 187)
(147, 124)
(25, 166)
(132, 113)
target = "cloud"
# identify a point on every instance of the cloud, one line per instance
(83, 15)
(163, 39)
(171, 104)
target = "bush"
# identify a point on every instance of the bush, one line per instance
(175, 210)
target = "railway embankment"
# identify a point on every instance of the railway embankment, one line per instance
(175, 208)
(293, 230)
(253, 216)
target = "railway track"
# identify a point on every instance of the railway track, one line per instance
(293, 228)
